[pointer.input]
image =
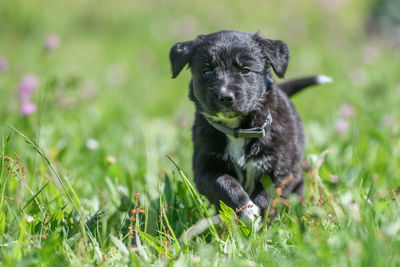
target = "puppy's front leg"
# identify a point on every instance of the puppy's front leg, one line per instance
(216, 186)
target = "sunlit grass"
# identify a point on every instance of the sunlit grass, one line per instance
(101, 173)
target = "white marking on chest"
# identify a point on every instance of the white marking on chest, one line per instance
(251, 175)
(246, 171)
(235, 150)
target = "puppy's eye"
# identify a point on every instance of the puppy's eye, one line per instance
(245, 71)
(207, 72)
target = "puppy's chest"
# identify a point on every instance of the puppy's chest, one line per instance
(246, 169)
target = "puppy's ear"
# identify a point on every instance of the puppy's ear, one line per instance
(179, 55)
(277, 53)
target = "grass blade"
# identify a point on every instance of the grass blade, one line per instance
(46, 159)
(32, 198)
(197, 199)
(171, 231)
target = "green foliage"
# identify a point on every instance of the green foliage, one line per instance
(86, 180)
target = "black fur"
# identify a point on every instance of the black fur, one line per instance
(236, 64)
(294, 86)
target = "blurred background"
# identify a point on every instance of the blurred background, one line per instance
(91, 81)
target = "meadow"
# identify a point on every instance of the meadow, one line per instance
(95, 137)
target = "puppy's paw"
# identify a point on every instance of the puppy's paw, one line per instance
(251, 214)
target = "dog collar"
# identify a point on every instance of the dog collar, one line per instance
(256, 132)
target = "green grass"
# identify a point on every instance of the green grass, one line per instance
(65, 204)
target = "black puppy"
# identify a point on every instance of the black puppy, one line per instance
(245, 126)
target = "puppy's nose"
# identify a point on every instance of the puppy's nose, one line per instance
(226, 99)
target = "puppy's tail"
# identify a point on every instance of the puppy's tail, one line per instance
(291, 87)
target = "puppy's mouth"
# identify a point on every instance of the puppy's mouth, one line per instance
(231, 119)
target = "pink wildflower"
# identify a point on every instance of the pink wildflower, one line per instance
(3, 65)
(51, 42)
(347, 111)
(27, 86)
(341, 126)
(28, 108)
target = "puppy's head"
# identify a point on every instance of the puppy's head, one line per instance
(229, 69)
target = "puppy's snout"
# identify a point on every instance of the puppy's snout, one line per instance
(226, 98)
